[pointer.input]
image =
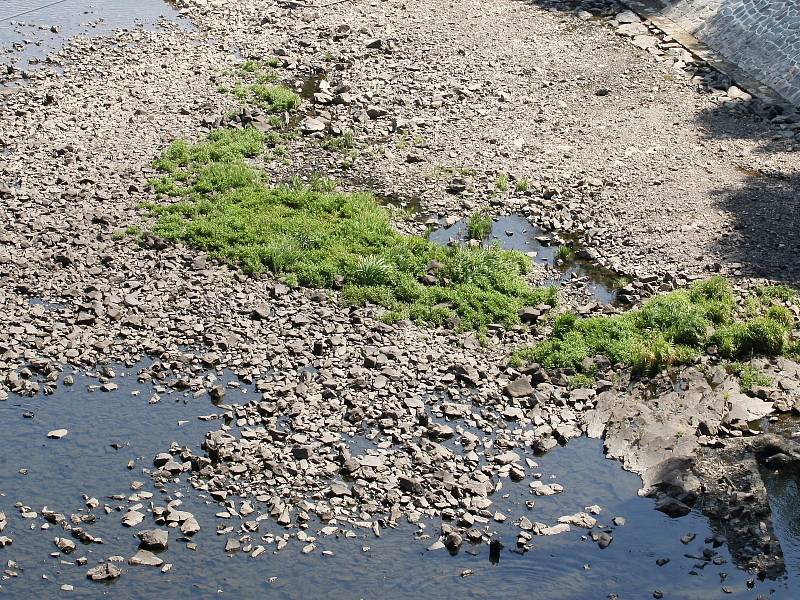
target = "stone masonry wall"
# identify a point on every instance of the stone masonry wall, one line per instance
(762, 37)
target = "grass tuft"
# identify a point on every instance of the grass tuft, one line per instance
(564, 253)
(479, 226)
(501, 182)
(749, 376)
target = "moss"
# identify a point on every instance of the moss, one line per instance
(314, 236)
(479, 226)
(665, 330)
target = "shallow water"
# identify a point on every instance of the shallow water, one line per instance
(517, 233)
(31, 32)
(396, 565)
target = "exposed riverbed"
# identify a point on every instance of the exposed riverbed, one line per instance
(59, 472)
(588, 137)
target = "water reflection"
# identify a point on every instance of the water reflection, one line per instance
(517, 233)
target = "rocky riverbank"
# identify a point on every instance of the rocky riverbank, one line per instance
(545, 111)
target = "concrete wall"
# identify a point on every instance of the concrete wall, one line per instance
(762, 37)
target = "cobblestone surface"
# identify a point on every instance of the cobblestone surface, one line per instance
(760, 36)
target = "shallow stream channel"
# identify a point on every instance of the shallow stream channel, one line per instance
(90, 466)
(517, 233)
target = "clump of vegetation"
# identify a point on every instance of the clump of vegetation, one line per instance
(776, 292)
(273, 98)
(256, 85)
(501, 183)
(620, 282)
(581, 380)
(340, 143)
(479, 226)
(313, 236)
(671, 329)
(564, 253)
(749, 376)
(521, 185)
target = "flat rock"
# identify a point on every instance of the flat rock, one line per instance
(153, 539)
(145, 558)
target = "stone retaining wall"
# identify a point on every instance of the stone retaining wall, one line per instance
(762, 37)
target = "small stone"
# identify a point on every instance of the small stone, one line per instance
(57, 434)
(104, 572)
(132, 518)
(64, 544)
(145, 558)
(190, 526)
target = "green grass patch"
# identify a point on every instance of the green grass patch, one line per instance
(479, 226)
(255, 84)
(341, 143)
(564, 252)
(501, 182)
(581, 380)
(670, 329)
(776, 292)
(749, 376)
(313, 236)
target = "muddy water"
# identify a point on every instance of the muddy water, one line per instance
(517, 233)
(25, 40)
(106, 430)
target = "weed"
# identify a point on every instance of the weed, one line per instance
(665, 330)
(581, 380)
(249, 66)
(343, 142)
(274, 98)
(479, 226)
(255, 84)
(313, 236)
(620, 282)
(521, 185)
(564, 253)
(776, 292)
(501, 182)
(372, 270)
(749, 376)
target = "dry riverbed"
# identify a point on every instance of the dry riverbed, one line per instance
(608, 138)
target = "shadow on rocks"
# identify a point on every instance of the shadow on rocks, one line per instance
(765, 239)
